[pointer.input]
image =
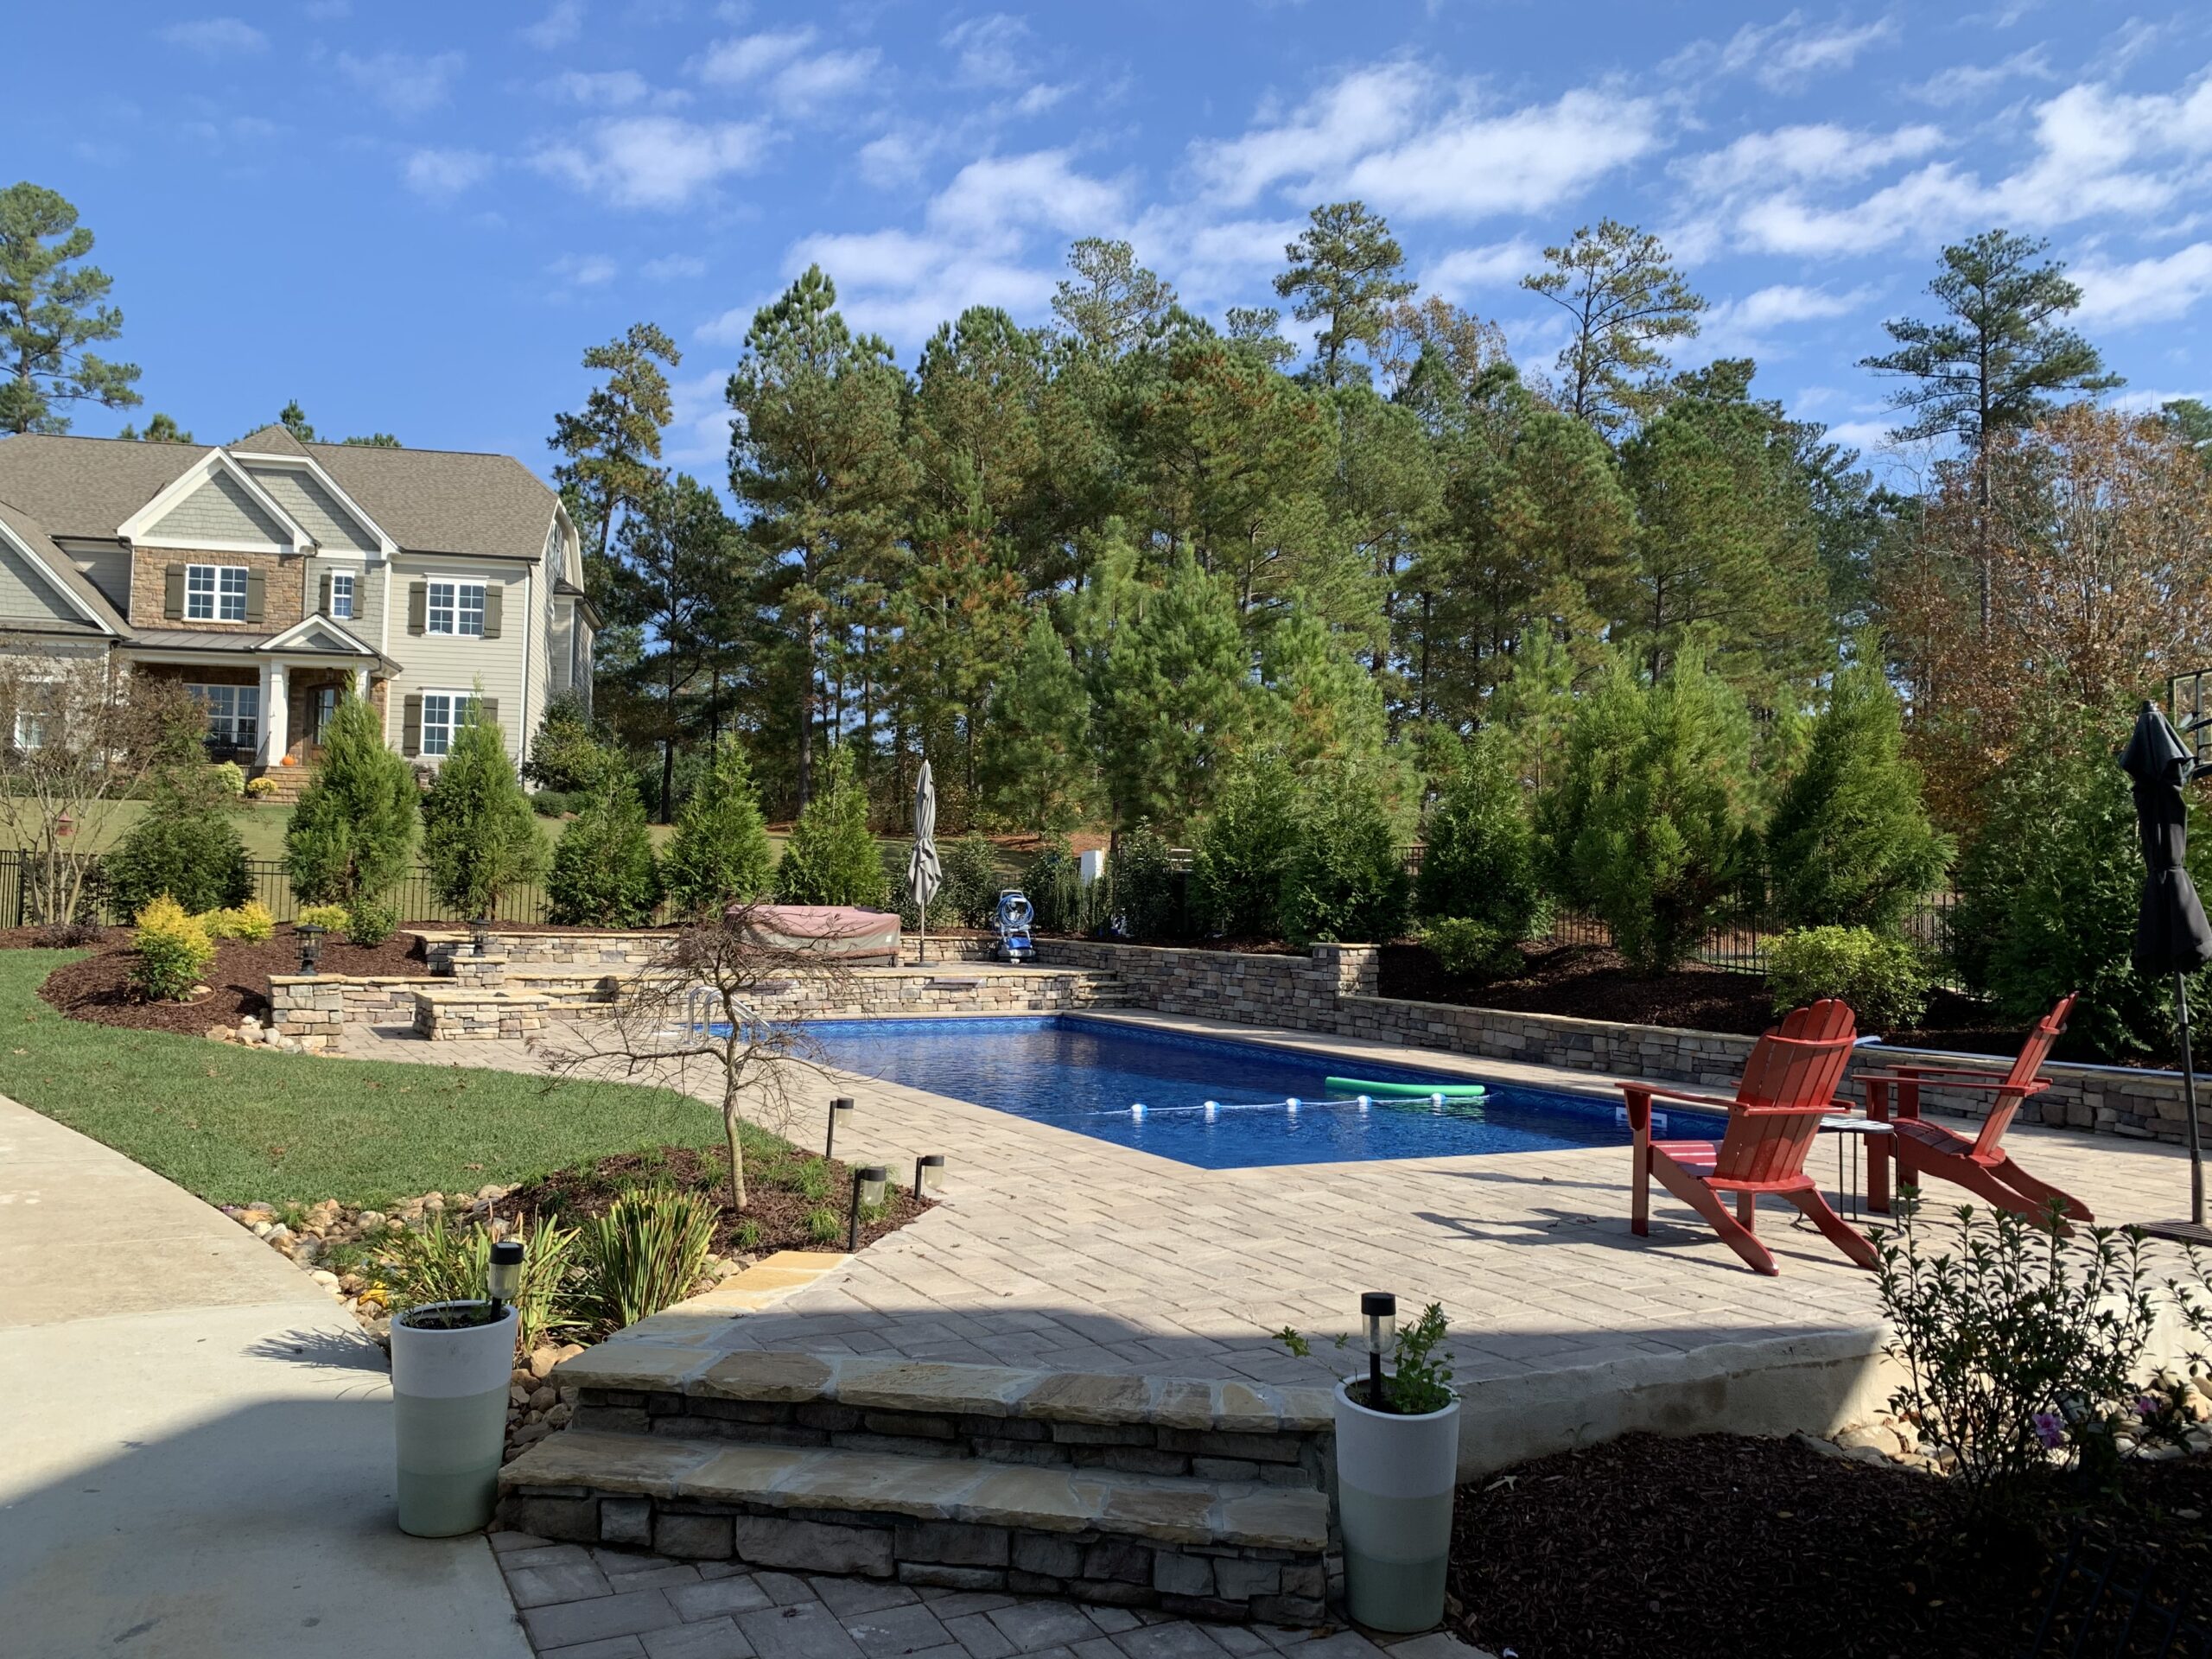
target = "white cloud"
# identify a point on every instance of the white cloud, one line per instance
(328, 10)
(674, 267)
(2160, 289)
(993, 50)
(734, 63)
(1749, 327)
(1041, 98)
(1362, 113)
(1824, 153)
(1467, 270)
(405, 85)
(990, 196)
(1785, 55)
(217, 37)
(654, 160)
(584, 269)
(562, 24)
(778, 61)
(1967, 81)
(604, 89)
(446, 173)
(801, 86)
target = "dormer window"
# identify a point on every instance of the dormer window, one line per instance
(214, 593)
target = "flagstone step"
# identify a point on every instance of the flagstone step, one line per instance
(1156, 1425)
(1218, 1549)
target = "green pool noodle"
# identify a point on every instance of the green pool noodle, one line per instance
(1354, 1086)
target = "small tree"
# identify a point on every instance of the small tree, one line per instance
(603, 873)
(1479, 862)
(721, 854)
(564, 755)
(1237, 862)
(355, 824)
(1345, 878)
(480, 837)
(184, 845)
(1850, 844)
(699, 1003)
(76, 740)
(831, 858)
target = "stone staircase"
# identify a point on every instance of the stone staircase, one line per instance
(1205, 1499)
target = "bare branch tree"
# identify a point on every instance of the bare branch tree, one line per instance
(77, 736)
(701, 1002)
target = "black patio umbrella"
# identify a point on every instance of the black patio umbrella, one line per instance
(2171, 936)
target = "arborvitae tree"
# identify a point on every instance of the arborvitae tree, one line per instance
(184, 844)
(721, 855)
(1238, 855)
(480, 837)
(1344, 876)
(1850, 844)
(831, 859)
(1647, 824)
(1480, 860)
(354, 826)
(1037, 767)
(564, 755)
(603, 872)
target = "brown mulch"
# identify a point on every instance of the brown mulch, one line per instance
(779, 1210)
(1685, 1548)
(98, 988)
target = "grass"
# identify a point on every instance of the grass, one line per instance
(237, 1125)
(262, 828)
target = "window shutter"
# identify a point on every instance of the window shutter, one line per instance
(257, 587)
(494, 595)
(410, 741)
(418, 608)
(324, 606)
(173, 595)
(487, 711)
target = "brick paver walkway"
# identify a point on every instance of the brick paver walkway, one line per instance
(577, 1603)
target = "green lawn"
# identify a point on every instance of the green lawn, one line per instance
(237, 1124)
(262, 828)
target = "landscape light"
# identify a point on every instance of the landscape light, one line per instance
(929, 1175)
(841, 1112)
(480, 928)
(1378, 1311)
(503, 1281)
(867, 1188)
(310, 945)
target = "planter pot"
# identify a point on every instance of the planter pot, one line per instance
(1395, 1480)
(449, 1415)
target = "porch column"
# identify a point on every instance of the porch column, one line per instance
(273, 734)
(361, 684)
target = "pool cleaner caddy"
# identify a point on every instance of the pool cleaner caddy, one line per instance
(1015, 917)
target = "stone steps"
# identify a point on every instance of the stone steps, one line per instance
(1203, 1498)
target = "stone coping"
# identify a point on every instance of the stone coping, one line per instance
(973, 1491)
(880, 1384)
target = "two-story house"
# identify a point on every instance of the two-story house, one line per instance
(266, 573)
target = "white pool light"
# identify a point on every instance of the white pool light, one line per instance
(1292, 1105)
(1136, 1108)
(1364, 1103)
(1212, 1107)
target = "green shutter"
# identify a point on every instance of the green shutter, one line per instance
(487, 711)
(256, 591)
(410, 741)
(418, 608)
(494, 596)
(325, 606)
(173, 594)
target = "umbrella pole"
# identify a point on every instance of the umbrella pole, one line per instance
(2189, 1096)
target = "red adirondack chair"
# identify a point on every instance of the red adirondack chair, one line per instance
(1977, 1162)
(1788, 1085)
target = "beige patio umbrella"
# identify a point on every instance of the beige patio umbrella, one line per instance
(924, 872)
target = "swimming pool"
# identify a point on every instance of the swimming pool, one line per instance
(1151, 1089)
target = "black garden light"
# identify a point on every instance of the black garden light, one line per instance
(929, 1175)
(310, 945)
(503, 1281)
(868, 1184)
(479, 928)
(841, 1113)
(1378, 1312)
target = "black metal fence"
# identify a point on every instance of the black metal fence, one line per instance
(1740, 944)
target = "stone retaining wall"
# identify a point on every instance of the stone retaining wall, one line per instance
(479, 1016)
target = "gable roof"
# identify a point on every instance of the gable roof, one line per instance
(426, 500)
(60, 569)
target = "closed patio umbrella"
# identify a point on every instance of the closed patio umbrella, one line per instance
(924, 872)
(2171, 936)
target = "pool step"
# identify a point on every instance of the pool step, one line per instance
(1201, 1497)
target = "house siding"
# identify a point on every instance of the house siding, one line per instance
(108, 569)
(220, 511)
(283, 577)
(316, 511)
(28, 598)
(432, 662)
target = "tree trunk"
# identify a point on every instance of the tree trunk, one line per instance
(736, 1152)
(806, 713)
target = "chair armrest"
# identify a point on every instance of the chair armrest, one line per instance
(1945, 1077)
(1661, 1091)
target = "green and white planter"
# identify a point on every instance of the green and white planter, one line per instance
(449, 1413)
(1395, 1480)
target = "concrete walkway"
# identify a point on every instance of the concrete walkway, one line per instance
(195, 1443)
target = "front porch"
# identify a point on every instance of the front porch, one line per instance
(268, 702)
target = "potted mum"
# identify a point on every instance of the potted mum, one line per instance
(451, 1363)
(1397, 1465)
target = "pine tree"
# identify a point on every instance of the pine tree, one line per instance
(354, 826)
(603, 872)
(831, 859)
(1037, 767)
(1850, 844)
(1479, 860)
(721, 854)
(611, 446)
(1346, 274)
(480, 837)
(51, 308)
(1619, 287)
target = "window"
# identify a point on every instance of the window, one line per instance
(34, 720)
(233, 715)
(443, 713)
(214, 593)
(341, 597)
(455, 608)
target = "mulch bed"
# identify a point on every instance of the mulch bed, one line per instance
(98, 988)
(1685, 1548)
(779, 1210)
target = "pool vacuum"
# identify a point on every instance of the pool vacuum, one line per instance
(1015, 917)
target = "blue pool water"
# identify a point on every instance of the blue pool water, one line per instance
(1087, 1075)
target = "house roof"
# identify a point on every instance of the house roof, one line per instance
(426, 500)
(32, 534)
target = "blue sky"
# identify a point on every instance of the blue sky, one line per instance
(414, 218)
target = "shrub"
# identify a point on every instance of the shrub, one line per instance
(66, 936)
(565, 754)
(1647, 824)
(1051, 879)
(354, 827)
(831, 858)
(1849, 843)
(1236, 864)
(173, 950)
(604, 874)
(330, 916)
(250, 922)
(1471, 950)
(553, 802)
(370, 922)
(1145, 897)
(441, 1264)
(719, 853)
(2017, 1344)
(1884, 979)
(1345, 878)
(260, 789)
(970, 895)
(184, 845)
(1479, 864)
(480, 837)
(229, 778)
(647, 1252)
